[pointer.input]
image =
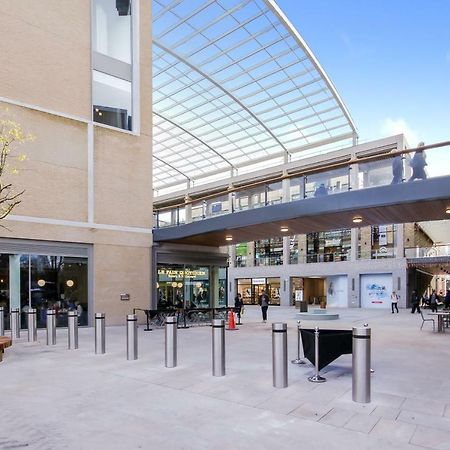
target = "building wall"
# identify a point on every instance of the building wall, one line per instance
(83, 182)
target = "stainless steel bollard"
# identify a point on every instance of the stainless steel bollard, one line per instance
(100, 342)
(14, 324)
(299, 360)
(132, 338)
(316, 378)
(279, 355)
(72, 317)
(2, 321)
(31, 323)
(51, 327)
(361, 365)
(218, 347)
(171, 341)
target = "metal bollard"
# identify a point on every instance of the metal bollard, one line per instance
(51, 327)
(14, 324)
(132, 338)
(171, 341)
(31, 323)
(100, 343)
(72, 317)
(316, 378)
(218, 347)
(279, 355)
(299, 360)
(361, 365)
(2, 321)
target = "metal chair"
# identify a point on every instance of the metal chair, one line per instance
(426, 320)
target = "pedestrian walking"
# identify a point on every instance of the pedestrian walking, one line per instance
(264, 301)
(394, 301)
(415, 302)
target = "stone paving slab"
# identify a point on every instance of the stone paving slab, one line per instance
(61, 399)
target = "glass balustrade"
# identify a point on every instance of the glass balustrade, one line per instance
(380, 170)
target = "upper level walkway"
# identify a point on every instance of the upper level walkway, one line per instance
(391, 186)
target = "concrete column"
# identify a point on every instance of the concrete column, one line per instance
(353, 290)
(286, 250)
(188, 209)
(284, 291)
(302, 248)
(286, 187)
(231, 288)
(250, 254)
(230, 202)
(232, 255)
(354, 179)
(214, 287)
(400, 240)
(354, 244)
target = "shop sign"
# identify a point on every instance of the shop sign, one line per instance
(258, 281)
(176, 273)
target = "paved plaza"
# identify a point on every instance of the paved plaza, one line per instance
(55, 398)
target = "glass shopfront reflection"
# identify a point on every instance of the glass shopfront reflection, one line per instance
(251, 288)
(191, 286)
(43, 282)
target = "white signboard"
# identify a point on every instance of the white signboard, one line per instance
(376, 290)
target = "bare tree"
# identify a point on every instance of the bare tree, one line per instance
(11, 137)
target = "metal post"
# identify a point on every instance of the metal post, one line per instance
(279, 355)
(316, 378)
(51, 327)
(14, 324)
(361, 365)
(171, 341)
(218, 347)
(132, 339)
(2, 321)
(72, 317)
(31, 323)
(299, 360)
(100, 345)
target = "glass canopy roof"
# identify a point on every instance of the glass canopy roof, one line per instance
(235, 89)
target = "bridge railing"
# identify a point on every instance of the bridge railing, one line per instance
(379, 169)
(427, 252)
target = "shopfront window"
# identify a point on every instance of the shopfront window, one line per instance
(382, 243)
(251, 288)
(269, 252)
(241, 255)
(293, 250)
(191, 286)
(44, 282)
(328, 246)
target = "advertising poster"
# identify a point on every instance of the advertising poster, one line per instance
(337, 291)
(376, 290)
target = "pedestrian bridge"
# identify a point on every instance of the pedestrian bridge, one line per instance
(346, 194)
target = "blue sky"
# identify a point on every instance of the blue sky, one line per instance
(389, 60)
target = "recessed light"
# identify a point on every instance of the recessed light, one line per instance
(284, 229)
(447, 211)
(357, 219)
(228, 238)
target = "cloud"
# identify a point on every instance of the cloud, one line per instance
(392, 126)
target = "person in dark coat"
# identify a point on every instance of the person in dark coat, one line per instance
(433, 301)
(264, 301)
(447, 299)
(418, 164)
(397, 170)
(415, 302)
(238, 304)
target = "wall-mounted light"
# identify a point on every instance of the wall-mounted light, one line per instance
(180, 285)
(228, 238)
(40, 283)
(70, 283)
(357, 219)
(284, 229)
(174, 284)
(447, 211)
